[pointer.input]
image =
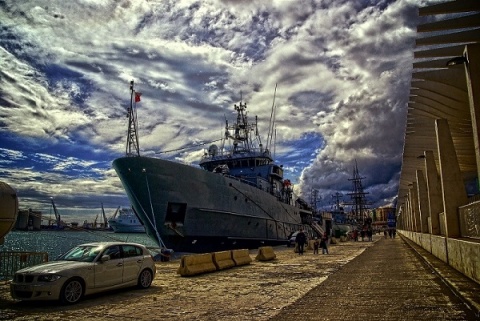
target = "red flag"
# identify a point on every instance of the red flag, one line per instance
(137, 97)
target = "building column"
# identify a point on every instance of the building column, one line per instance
(472, 72)
(453, 189)
(423, 208)
(435, 200)
(401, 218)
(414, 207)
(406, 214)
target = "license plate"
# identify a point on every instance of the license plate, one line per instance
(22, 287)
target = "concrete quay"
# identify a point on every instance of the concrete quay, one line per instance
(387, 279)
(393, 280)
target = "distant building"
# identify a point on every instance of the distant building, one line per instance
(384, 216)
(28, 220)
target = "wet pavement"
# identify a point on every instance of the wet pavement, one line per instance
(388, 279)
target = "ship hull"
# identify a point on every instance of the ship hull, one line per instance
(193, 210)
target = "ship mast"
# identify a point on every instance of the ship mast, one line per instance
(358, 198)
(240, 131)
(133, 149)
(337, 197)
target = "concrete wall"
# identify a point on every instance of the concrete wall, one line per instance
(439, 247)
(464, 256)
(461, 254)
(426, 242)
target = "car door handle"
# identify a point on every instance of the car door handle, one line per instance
(139, 261)
(120, 264)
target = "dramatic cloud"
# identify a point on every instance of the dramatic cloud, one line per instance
(342, 70)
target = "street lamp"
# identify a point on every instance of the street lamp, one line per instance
(457, 61)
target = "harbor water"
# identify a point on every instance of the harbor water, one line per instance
(58, 242)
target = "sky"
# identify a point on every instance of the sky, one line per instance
(342, 71)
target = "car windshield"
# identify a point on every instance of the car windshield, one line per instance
(82, 253)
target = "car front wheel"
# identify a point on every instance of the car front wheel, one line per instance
(145, 279)
(72, 291)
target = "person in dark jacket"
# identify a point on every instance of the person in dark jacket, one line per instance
(324, 243)
(300, 239)
(316, 246)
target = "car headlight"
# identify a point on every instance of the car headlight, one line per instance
(48, 278)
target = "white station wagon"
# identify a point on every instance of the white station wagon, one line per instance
(86, 269)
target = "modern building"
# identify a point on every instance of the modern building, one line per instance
(438, 198)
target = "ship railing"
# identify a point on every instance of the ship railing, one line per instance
(277, 193)
(11, 261)
(253, 152)
(241, 180)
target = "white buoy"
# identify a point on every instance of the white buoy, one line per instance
(8, 209)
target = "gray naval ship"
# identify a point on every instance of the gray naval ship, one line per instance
(237, 198)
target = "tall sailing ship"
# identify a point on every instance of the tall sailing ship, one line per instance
(236, 198)
(360, 204)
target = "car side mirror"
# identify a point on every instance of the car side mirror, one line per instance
(105, 258)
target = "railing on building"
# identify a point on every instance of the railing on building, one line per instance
(10, 262)
(469, 216)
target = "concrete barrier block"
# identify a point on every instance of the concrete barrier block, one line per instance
(196, 264)
(223, 260)
(241, 257)
(265, 253)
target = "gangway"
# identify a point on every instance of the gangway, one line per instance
(317, 228)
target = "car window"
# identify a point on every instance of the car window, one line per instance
(114, 252)
(131, 250)
(81, 253)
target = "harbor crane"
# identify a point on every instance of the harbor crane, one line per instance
(105, 220)
(55, 211)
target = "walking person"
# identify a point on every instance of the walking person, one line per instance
(323, 243)
(300, 239)
(370, 234)
(316, 245)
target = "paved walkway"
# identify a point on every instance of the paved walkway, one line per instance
(392, 280)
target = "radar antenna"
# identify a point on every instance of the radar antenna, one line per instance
(133, 149)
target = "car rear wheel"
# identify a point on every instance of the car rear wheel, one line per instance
(145, 279)
(72, 291)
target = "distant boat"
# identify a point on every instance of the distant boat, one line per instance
(125, 221)
(342, 223)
